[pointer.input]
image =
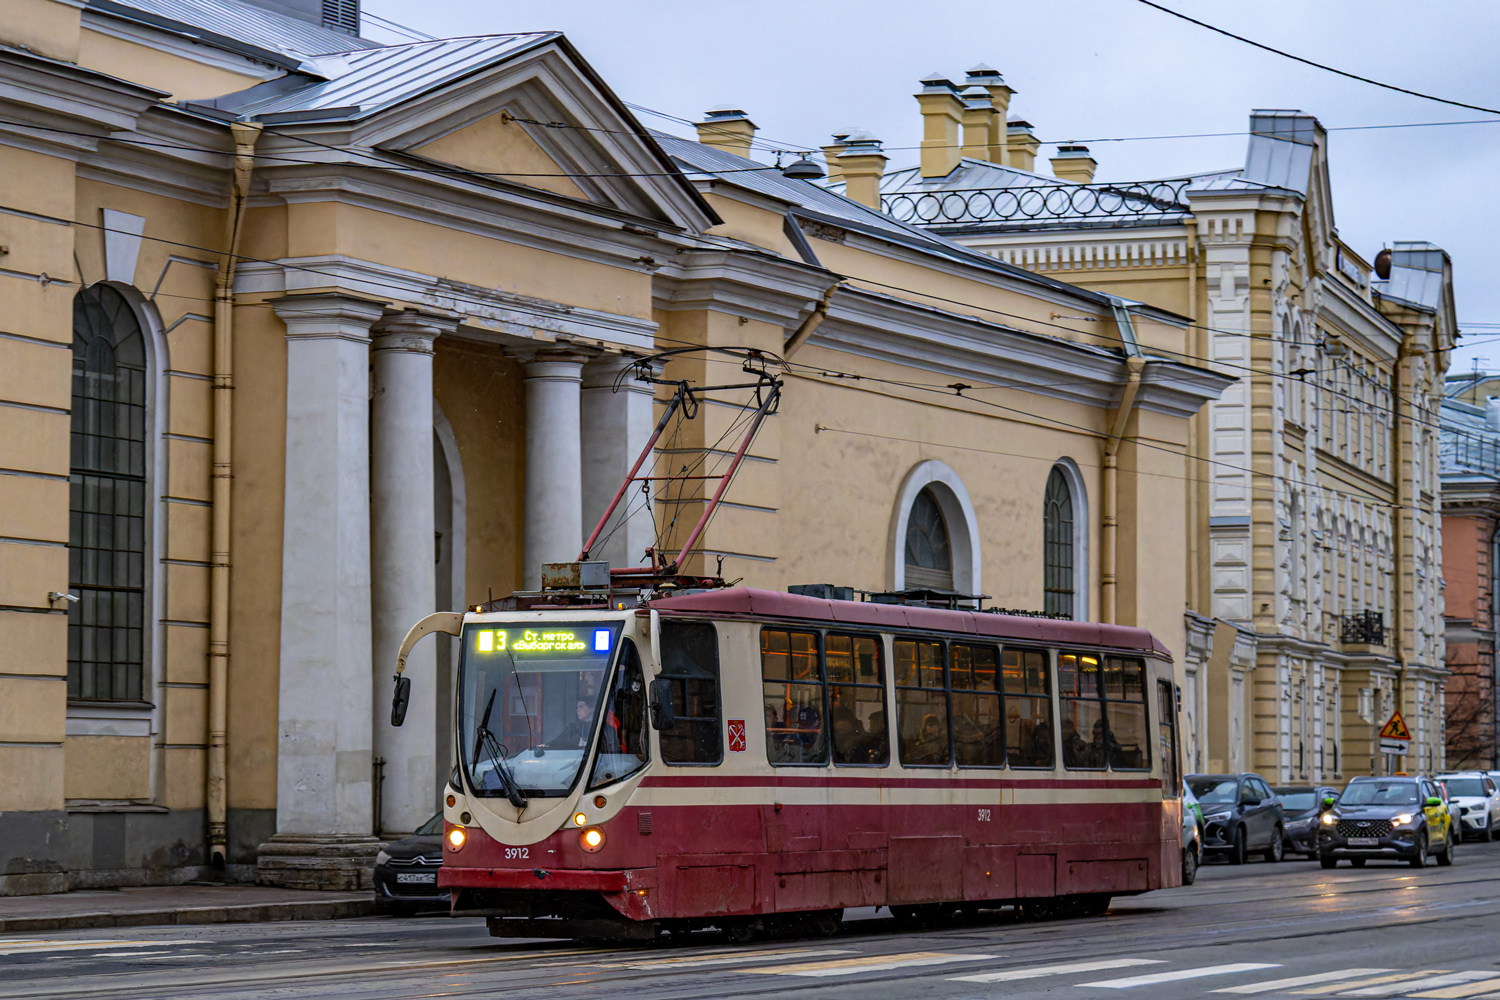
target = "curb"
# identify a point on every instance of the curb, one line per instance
(187, 915)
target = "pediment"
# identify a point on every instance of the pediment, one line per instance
(589, 147)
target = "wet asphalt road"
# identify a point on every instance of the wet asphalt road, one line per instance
(1264, 930)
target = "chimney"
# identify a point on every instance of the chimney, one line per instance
(1020, 145)
(831, 155)
(942, 113)
(1000, 94)
(1492, 413)
(728, 129)
(862, 163)
(980, 122)
(1074, 164)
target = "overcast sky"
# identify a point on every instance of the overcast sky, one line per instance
(1086, 69)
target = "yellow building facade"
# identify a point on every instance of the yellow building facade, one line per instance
(1314, 590)
(305, 337)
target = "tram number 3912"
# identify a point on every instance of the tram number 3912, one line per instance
(514, 853)
(984, 815)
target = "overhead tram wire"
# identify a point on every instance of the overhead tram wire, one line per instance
(1317, 65)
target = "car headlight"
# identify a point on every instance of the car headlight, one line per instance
(1329, 819)
(381, 858)
(1403, 819)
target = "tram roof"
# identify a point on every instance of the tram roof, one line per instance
(750, 602)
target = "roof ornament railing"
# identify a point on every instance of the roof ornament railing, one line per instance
(1142, 203)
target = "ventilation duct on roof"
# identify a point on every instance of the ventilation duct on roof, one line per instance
(342, 15)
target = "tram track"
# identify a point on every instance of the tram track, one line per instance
(1127, 930)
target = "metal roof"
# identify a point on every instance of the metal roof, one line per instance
(239, 27)
(364, 82)
(1417, 271)
(1466, 445)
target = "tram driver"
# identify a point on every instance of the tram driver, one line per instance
(576, 733)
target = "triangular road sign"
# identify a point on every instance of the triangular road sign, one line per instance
(1395, 729)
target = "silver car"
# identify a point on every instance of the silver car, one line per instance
(1192, 836)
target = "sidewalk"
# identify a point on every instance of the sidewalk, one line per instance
(177, 904)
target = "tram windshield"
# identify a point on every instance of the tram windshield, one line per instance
(529, 702)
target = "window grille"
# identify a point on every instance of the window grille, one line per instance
(1057, 531)
(107, 500)
(929, 558)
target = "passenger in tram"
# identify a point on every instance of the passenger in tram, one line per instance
(852, 743)
(931, 746)
(1076, 753)
(782, 745)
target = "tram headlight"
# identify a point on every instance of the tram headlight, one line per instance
(456, 838)
(591, 840)
(579, 819)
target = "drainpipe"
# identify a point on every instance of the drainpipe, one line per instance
(245, 136)
(1398, 537)
(812, 322)
(1135, 364)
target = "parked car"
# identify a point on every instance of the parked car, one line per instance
(1192, 836)
(1477, 796)
(1240, 815)
(406, 872)
(1398, 818)
(1301, 806)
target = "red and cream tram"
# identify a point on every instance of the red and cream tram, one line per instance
(744, 758)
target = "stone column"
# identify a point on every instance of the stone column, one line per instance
(402, 558)
(616, 426)
(323, 781)
(554, 483)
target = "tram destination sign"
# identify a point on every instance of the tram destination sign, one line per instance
(547, 641)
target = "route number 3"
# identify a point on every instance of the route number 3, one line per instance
(984, 815)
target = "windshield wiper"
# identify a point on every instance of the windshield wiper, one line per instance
(485, 740)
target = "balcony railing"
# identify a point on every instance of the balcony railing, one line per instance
(1144, 203)
(1465, 451)
(1364, 627)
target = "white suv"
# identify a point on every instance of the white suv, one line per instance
(1477, 797)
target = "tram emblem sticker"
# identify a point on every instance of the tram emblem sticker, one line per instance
(737, 735)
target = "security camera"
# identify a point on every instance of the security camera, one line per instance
(53, 596)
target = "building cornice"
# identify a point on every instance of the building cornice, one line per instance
(482, 312)
(747, 283)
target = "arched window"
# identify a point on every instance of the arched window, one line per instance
(1059, 581)
(929, 561)
(107, 500)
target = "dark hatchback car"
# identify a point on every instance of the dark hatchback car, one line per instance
(1301, 805)
(406, 872)
(1395, 819)
(1241, 815)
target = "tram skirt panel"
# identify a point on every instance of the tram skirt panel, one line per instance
(926, 870)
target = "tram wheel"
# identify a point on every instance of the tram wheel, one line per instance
(825, 923)
(742, 930)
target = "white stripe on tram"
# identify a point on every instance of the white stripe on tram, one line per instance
(870, 963)
(1180, 974)
(1037, 971)
(1286, 984)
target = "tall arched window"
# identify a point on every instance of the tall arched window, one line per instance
(1058, 577)
(929, 561)
(107, 500)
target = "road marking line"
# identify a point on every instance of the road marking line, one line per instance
(1431, 982)
(1180, 974)
(1486, 987)
(1283, 984)
(1398, 977)
(25, 947)
(1036, 971)
(869, 963)
(725, 959)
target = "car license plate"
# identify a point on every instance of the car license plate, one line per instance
(424, 878)
(1364, 841)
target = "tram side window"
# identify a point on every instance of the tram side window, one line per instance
(1166, 710)
(978, 724)
(623, 747)
(690, 660)
(1028, 708)
(792, 684)
(1083, 728)
(922, 704)
(1128, 739)
(856, 699)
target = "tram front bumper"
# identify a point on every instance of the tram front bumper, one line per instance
(550, 879)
